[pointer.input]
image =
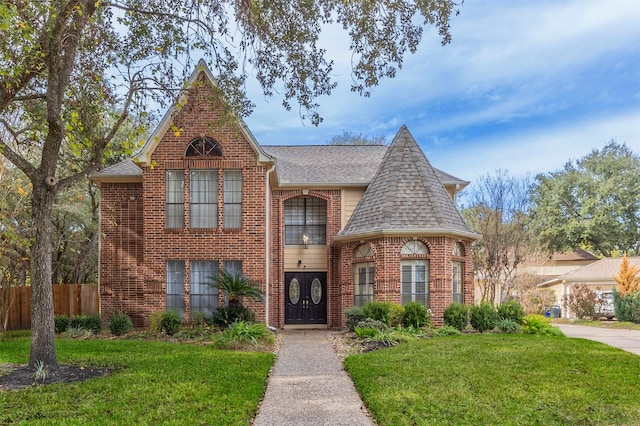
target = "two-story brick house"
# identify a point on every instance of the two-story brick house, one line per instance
(321, 228)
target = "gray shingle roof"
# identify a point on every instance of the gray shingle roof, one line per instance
(604, 270)
(123, 170)
(333, 165)
(405, 195)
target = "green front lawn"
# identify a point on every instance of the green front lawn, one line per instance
(154, 383)
(499, 379)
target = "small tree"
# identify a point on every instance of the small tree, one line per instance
(581, 301)
(628, 278)
(236, 287)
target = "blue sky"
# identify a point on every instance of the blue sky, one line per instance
(524, 86)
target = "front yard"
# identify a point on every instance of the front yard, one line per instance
(498, 379)
(152, 382)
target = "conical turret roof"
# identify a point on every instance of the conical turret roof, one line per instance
(405, 197)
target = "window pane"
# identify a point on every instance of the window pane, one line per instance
(363, 285)
(174, 182)
(415, 281)
(203, 297)
(233, 267)
(308, 214)
(175, 286)
(232, 199)
(204, 199)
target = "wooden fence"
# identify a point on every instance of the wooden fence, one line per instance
(68, 299)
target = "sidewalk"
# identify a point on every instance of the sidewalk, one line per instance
(629, 340)
(308, 385)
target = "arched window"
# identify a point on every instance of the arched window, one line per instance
(457, 273)
(414, 247)
(203, 147)
(363, 274)
(414, 273)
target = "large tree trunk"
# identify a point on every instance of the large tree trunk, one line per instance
(42, 326)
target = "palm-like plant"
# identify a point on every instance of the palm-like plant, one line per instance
(236, 287)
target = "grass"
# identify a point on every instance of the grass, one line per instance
(155, 382)
(499, 380)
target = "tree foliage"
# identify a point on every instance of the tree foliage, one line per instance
(72, 72)
(350, 138)
(497, 210)
(628, 278)
(593, 202)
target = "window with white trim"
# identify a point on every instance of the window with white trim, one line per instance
(457, 273)
(414, 273)
(203, 297)
(175, 286)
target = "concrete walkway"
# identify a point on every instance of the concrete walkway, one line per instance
(629, 340)
(308, 385)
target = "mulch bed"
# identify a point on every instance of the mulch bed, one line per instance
(14, 377)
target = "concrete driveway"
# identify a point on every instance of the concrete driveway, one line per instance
(629, 340)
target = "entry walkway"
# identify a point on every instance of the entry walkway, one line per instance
(629, 340)
(308, 385)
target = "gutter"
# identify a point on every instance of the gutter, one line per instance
(267, 229)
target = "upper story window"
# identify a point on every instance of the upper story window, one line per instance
(205, 201)
(175, 199)
(203, 147)
(305, 216)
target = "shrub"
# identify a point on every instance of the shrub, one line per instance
(582, 301)
(365, 332)
(354, 316)
(537, 324)
(447, 330)
(78, 331)
(61, 323)
(170, 322)
(155, 320)
(483, 317)
(511, 310)
(508, 326)
(372, 323)
(456, 315)
(378, 311)
(416, 315)
(242, 332)
(627, 307)
(120, 324)
(396, 314)
(227, 315)
(92, 323)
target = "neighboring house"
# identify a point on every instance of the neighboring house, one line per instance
(539, 271)
(598, 276)
(321, 228)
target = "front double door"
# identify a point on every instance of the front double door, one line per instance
(305, 297)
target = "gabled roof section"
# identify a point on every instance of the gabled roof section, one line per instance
(573, 255)
(334, 165)
(143, 158)
(124, 171)
(405, 197)
(602, 271)
(326, 165)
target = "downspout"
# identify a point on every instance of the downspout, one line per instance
(267, 227)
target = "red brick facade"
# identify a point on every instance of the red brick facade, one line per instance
(136, 243)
